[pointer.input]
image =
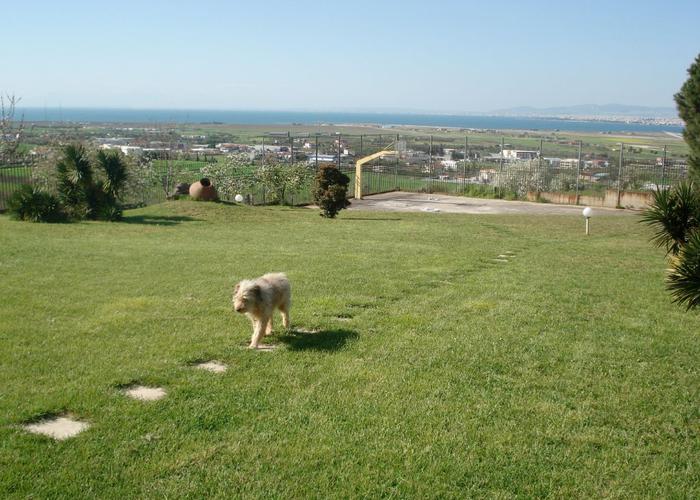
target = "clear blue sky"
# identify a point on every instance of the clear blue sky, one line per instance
(453, 56)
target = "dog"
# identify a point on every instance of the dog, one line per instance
(258, 299)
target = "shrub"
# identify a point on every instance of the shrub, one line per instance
(675, 216)
(32, 204)
(330, 190)
(85, 196)
(683, 279)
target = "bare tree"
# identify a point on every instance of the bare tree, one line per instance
(11, 129)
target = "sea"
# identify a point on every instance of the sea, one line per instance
(163, 116)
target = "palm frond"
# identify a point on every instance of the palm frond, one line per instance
(674, 214)
(115, 171)
(683, 280)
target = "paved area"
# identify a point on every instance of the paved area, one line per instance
(399, 201)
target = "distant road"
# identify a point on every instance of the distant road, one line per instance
(674, 134)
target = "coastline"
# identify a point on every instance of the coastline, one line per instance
(389, 120)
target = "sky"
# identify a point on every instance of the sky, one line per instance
(416, 56)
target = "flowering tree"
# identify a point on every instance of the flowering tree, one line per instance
(11, 130)
(282, 179)
(230, 177)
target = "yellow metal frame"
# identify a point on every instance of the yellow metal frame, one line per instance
(358, 169)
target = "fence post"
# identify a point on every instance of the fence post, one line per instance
(396, 166)
(339, 139)
(500, 165)
(539, 166)
(578, 169)
(430, 165)
(663, 168)
(619, 174)
(466, 158)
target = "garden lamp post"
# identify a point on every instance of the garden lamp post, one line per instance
(587, 212)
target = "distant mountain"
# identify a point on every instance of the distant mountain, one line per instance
(591, 110)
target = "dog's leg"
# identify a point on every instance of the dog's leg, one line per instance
(284, 309)
(258, 328)
(268, 329)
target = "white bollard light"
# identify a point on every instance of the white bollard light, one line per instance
(587, 212)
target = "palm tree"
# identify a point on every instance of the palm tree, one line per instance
(674, 214)
(684, 276)
(82, 194)
(115, 172)
(675, 217)
(75, 185)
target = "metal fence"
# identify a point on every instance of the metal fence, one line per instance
(522, 167)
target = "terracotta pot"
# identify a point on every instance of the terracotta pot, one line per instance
(203, 190)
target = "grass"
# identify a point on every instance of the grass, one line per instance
(435, 371)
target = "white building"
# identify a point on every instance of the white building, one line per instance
(571, 163)
(520, 154)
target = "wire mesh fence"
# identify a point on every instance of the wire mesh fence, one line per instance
(522, 167)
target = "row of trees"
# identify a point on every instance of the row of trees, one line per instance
(280, 180)
(91, 185)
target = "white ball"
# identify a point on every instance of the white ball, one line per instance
(238, 198)
(587, 212)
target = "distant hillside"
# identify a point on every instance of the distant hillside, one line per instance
(592, 110)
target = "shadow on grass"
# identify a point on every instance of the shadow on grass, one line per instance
(157, 220)
(324, 340)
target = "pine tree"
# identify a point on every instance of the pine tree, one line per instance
(688, 102)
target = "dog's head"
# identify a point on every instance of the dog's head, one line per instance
(245, 295)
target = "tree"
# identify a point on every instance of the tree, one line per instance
(11, 130)
(688, 102)
(330, 190)
(674, 214)
(230, 177)
(83, 195)
(74, 174)
(281, 179)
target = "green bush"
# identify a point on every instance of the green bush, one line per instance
(683, 279)
(32, 204)
(674, 214)
(330, 190)
(85, 195)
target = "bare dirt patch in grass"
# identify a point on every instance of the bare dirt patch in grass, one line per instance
(58, 427)
(211, 366)
(143, 393)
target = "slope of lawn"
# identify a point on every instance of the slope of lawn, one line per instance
(433, 370)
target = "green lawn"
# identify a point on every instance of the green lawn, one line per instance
(435, 371)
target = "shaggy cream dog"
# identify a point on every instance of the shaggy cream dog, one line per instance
(258, 299)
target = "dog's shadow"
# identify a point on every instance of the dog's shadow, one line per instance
(323, 340)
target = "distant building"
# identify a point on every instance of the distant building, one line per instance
(486, 175)
(322, 158)
(570, 163)
(520, 154)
